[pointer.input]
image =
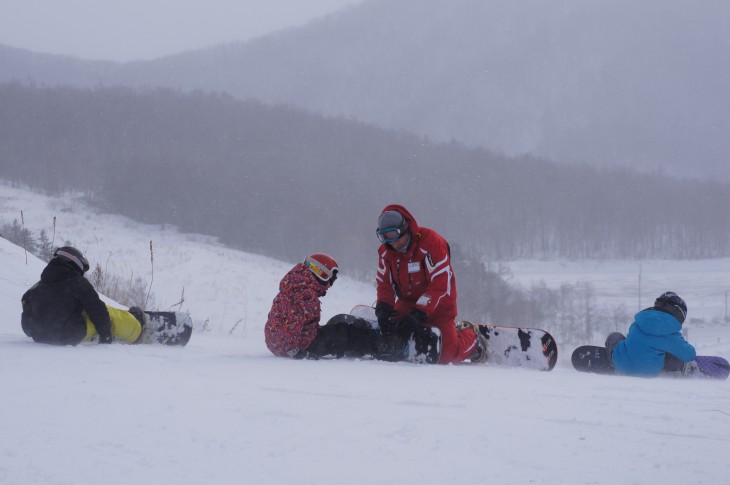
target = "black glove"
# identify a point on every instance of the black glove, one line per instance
(406, 326)
(105, 339)
(384, 312)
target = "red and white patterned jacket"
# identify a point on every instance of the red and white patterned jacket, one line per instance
(294, 317)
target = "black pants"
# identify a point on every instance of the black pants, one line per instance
(612, 341)
(343, 335)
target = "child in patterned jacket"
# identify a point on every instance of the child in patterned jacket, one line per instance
(293, 329)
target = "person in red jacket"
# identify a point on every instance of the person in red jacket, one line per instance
(416, 287)
(293, 329)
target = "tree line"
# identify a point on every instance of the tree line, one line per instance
(283, 182)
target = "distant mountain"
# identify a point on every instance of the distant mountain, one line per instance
(638, 83)
(27, 66)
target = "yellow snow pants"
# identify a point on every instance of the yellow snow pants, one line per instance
(124, 325)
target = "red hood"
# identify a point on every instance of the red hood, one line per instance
(412, 224)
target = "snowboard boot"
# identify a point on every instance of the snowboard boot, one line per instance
(690, 368)
(138, 313)
(480, 352)
(391, 348)
(428, 348)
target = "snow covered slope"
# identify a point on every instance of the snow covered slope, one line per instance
(222, 288)
(224, 411)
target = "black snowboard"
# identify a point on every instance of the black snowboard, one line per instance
(591, 358)
(167, 328)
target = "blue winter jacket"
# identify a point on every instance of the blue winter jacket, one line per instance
(652, 335)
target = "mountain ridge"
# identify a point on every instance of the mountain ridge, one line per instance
(641, 84)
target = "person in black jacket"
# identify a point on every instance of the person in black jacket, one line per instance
(63, 308)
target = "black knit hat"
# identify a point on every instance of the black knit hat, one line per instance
(670, 302)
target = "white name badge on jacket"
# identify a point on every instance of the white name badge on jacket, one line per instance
(414, 267)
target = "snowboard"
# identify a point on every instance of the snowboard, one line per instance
(167, 328)
(592, 358)
(530, 348)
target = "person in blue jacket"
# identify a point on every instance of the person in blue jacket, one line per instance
(654, 342)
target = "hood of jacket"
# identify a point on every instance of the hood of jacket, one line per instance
(656, 322)
(58, 270)
(299, 279)
(412, 224)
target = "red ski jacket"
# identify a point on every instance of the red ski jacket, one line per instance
(294, 317)
(422, 277)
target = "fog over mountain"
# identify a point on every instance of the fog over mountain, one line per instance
(638, 83)
(147, 29)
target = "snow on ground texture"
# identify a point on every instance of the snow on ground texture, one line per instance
(222, 410)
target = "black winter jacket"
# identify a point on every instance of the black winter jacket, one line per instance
(53, 308)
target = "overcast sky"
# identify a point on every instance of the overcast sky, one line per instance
(123, 30)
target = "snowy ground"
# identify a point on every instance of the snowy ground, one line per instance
(222, 410)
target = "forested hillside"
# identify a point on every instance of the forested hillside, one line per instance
(284, 182)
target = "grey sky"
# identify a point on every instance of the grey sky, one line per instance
(124, 30)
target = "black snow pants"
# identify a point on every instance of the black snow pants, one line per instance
(343, 335)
